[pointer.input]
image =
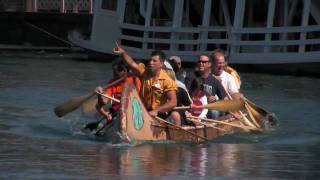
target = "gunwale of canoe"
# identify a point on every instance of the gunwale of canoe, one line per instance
(137, 125)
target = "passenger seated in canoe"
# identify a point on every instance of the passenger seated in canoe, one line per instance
(229, 82)
(119, 70)
(176, 64)
(199, 98)
(158, 91)
(212, 86)
(183, 97)
(232, 71)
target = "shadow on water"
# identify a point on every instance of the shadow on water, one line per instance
(37, 144)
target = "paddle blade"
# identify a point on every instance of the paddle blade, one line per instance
(226, 105)
(255, 110)
(89, 106)
(71, 105)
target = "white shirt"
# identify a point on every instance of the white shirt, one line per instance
(228, 82)
(204, 101)
(204, 112)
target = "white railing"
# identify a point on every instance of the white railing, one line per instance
(62, 6)
(241, 43)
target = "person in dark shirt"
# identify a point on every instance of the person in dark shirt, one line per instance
(212, 86)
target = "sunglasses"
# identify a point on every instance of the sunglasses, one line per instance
(202, 62)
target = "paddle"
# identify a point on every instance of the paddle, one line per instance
(245, 119)
(107, 96)
(222, 105)
(194, 119)
(89, 106)
(179, 127)
(231, 124)
(76, 102)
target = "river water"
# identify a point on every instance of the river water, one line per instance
(35, 144)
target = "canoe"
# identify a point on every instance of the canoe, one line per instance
(134, 124)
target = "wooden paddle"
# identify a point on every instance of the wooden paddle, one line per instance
(76, 102)
(197, 120)
(222, 105)
(245, 128)
(245, 119)
(179, 127)
(89, 106)
(109, 97)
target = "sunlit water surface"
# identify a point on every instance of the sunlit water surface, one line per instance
(34, 143)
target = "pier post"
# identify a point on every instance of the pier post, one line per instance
(304, 23)
(237, 25)
(62, 6)
(270, 16)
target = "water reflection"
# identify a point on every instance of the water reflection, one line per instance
(211, 160)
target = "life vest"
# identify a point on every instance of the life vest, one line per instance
(116, 90)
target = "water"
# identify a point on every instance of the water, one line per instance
(35, 144)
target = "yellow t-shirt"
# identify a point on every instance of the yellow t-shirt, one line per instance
(153, 91)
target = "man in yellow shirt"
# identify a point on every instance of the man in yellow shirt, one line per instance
(158, 91)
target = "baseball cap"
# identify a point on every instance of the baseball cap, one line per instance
(177, 59)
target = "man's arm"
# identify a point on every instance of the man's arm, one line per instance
(236, 96)
(128, 59)
(232, 88)
(102, 100)
(168, 106)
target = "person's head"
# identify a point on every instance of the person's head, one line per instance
(119, 69)
(175, 62)
(156, 61)
(218, 61)
(196, 87)
(204, 63)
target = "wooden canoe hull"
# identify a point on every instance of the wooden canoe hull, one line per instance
(136, 125)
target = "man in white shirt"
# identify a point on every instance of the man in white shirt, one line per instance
(227, 80)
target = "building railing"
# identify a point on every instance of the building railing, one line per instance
(60, 6)
(248, 40)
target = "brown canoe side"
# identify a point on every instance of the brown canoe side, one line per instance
(137, 125)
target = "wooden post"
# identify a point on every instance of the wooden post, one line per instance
(62, 6)
(91, 7)
(29, 6)
(35, 6)
(177, 20)
(147, 23)
(304, 23)
(203, 34)
(270, 16)
(237, 24)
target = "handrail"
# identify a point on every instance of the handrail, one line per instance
(266, 30)
(258, 30)
(173, 29)
(169, 39)
(176, 41)
(277, 42)
(221, 41)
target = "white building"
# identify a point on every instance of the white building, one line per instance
(251, 31)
